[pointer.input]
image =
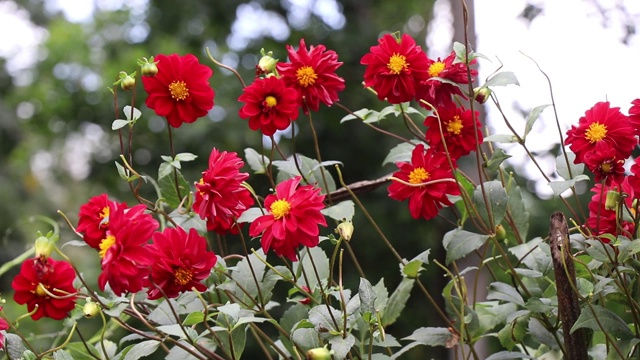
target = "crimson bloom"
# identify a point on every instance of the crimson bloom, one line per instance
(312, 73)
(395, 67)
(634, 116)
(180, 262)
(458, 130)
(221, 198)
(602, 123)
(293, 218)
(124, 253)
(269, 104)
(93, 219)
(436, 92)
(426, 181)
(45, 284)
(180, 91)
(604, 220)
(604, 164)
(4, 325)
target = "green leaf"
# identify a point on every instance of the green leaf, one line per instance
(193, 318)
(534, 254)
(364, 114)
(430, 336)
(341, 211)
(62, 355)
(165, 169)
(168, 190)
(496, 160)
(306, 338)
(533, 116)
(518, 210)
(309, 168)
(367, 296)
(468, 187)
(382, 295)
(459, 243)
(188, 220)
(502, 78)
(563, 169)
(141, 349)
(312, 260)
(539, 305)
(341, 346)
(600, 251)
(397, 301)
(401, 153)
(509, 355)
(119, 124)
(541, 333)
(496, 196)
(292, 316)
(257, 162)
(244, 285)
(594, 316)
(178, 331)
(558, 187)
(124, 173)
(250, 215)
(186, 157)
(505, 292)
(501, 138)
(322, 317)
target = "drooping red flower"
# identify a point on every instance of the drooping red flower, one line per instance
(634, 116)
(93, 219)
(458, 130)
(431, 181)
(602, 123)
(293, 218)
(47, 284)
(180, 91)
(124, 251)
(269, 104)
(180, 262)
(395, 67)
(312, 73)
(221, 198)
(4, 325)
(436, 92)
(602, 161)
(603, 220)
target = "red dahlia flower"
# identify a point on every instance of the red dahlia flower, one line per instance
(293, 218)
(180, 90)
(604, 164)
(634, 116)
(221, 198)
(124, 253)
(46, 284)
(438, 93)
(313, 74)
(395, 68)
(602, 123)
(180, 262)
(269, 104)
(93, 219)
(458, 131)
(605, 221)
(428, 180)
(4, 325)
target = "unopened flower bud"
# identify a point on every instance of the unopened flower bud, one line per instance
(44, 246)
(321, 353)
(345, 229)
(127, 82)
(481, 94)
(90, 309)
(612, 200)
(267, 63)
(148, 67)
(501, 233)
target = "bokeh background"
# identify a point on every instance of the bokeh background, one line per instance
(57, 59)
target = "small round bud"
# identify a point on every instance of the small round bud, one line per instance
(481, 94)
(345, 229)
(128, 82)
(612, 200)
(90, 309)
(319, 354)
(501, 233)
(149, 69)
(44, 246)
(267, 63)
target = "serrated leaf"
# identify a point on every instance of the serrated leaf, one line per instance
(367, 296)
(563, 169)
(382, 295)
(459, 243)
(397, 301)
(504, 292)
(518, 210)
(341, 211)
(509, 355)
(502, 78)
(496, 196)
(178, 331)
(119, 124)
(257, 162)
(532, 117)
(142, 349)
(501, 138)
(341, 346)
(168, 190)
(363, 114)
(306, 338)
(312, 260)
(497, 158)
(594, 316)
(430, 336)
(322, 317)
(534, 254)
(558, 187)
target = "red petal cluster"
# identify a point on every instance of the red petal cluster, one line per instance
(605, 221)
(312, 73)
(180, 262)
(125, 256)
(180, 91)
(93, 219)
(38, 280)
(293, 218)
(634, 116)
(438, 93)
(604, 163)
(221, 198)
(458, 131)
(4, 325)
(426, 181)
(395, 68)
(269, 104)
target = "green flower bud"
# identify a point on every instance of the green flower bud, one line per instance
(45, 245)
(612, 200)
(267, 63)
(127, 82)
(319, 354)
(481, 94)
(90, 309)
(501, 233)
(345, 229)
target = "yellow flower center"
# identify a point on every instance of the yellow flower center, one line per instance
(280, 208)
(418, 175)
(436, 68)
(596, 132)
(105, 244)
(40, 290)
(182, 276)
(271, 101)
(606, 167)
(178, 90)
(104, 215)
(455, 126)
(201, 182)
(306, 76)
(397, 63)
